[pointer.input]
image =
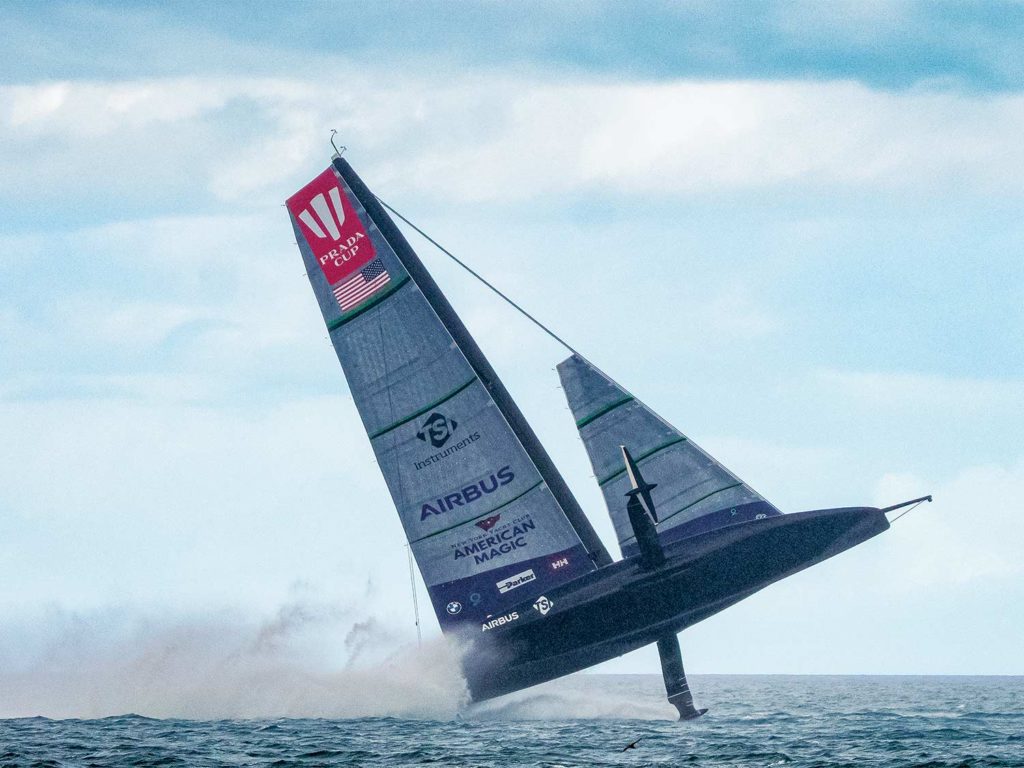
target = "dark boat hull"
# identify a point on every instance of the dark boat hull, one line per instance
(623, 607)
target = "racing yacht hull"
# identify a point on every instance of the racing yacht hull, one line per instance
(625, 606)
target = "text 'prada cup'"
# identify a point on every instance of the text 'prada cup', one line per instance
(333, 230)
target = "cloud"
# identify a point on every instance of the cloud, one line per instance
(779, 471)
(925, 393)
(194, 503)
(938, 593)
(893, 44)
(700, 137)
(971, 533)
(249, 141)
(155, 299)
(173, 398)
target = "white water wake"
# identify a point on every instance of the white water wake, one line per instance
(308, 660)
(581, 697)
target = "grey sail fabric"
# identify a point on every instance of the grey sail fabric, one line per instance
(694, 493)
(484, 527)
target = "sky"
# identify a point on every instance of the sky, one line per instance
(793, 229)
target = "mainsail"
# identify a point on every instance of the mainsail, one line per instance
(694, 493)
(489, 519)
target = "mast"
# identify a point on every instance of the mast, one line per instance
(481, 367)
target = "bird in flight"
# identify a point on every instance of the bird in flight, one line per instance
(631, 745)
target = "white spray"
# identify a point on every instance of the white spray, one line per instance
(308, 660)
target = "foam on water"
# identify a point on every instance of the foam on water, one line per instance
(308, 660)
(810, 722)
(230, 690)
(582, 697)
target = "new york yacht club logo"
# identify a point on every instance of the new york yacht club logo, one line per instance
(488, 522)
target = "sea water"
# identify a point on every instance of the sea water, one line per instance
(586, 720)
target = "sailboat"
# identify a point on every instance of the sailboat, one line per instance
(511, 563)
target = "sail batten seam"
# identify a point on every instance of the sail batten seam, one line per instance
(691, 504)
(641, 457)
(345, 319)
(702, 498)
(421, 411)
(480, 517)
(607, 409)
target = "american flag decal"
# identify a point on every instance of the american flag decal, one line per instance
(362, 285)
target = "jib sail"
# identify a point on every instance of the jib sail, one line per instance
(489, 520)
(694, 492)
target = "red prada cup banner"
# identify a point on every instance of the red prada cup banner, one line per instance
(332, 229)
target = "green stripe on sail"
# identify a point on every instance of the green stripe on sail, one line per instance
(691, 504)
(423, 410)
(479, 517)
(698, 501)
(587, 419)
(641, 457)
(377, 299)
